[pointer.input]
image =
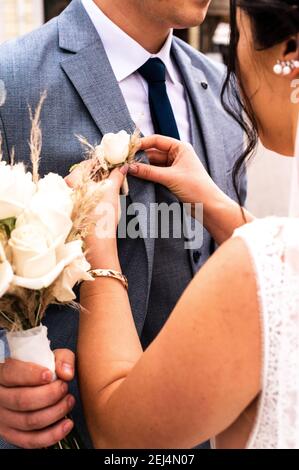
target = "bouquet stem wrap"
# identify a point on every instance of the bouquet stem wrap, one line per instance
(32, 346)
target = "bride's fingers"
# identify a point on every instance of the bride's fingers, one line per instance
(75, 178)
(158, 158)
(150, 173)
(118, 175)
(159, 142)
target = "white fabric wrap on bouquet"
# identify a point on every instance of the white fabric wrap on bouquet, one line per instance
(32, 346)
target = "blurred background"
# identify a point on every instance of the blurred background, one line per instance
(268, 174)
(18, 17)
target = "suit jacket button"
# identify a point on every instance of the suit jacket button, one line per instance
(196, 256)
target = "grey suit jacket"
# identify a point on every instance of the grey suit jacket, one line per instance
(66, 57)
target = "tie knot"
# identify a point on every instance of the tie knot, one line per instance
(153, 71)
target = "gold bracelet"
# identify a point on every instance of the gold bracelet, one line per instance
(110, 273)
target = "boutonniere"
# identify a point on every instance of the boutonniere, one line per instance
(115, 150)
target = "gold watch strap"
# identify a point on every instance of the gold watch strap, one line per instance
(110, 273)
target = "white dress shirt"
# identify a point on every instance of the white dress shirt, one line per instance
(126, 56)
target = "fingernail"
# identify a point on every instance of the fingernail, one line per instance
(133, 169)
(47, 376)
(71, 401)
(124, 169)
(67, 368)
(68, 426)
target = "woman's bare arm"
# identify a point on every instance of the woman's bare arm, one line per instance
(194, 380)
(222, 216)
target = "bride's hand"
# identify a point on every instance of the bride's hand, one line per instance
(107, 214)
(101, 245)
(174, 164)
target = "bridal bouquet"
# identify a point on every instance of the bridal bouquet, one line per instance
(43, 223)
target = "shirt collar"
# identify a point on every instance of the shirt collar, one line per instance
(125, 55)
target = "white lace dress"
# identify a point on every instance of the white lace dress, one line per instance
(273, 244)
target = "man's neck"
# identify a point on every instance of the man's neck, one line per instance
(144, 29)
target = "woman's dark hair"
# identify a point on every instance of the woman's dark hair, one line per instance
(272, 21)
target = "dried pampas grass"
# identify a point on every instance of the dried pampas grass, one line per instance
(35, 142)
(18, 309)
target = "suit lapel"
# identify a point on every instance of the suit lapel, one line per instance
(89, 70)
(91, 74)
(207, 109)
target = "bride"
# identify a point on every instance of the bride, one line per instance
(239, 318)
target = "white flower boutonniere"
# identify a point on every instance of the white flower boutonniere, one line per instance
(115, 150)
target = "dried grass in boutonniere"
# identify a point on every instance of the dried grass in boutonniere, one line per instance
(115, 150)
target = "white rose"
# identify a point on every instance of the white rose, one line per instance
(75, 272)
(55, 193)
(51, 206)
(56, 224)
(116, 147)
(52, 267)
(16, 190)
(6, 272)
(33, 251)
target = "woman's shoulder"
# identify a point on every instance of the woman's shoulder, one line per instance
(256, 253)
(259, 250)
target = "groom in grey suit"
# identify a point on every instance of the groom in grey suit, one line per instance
(88, 60)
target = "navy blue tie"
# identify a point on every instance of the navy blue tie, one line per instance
(170, 255)
(154, 72)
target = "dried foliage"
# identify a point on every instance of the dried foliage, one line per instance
(35, 142)
(19, 308)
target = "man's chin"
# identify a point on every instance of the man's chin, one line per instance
(192, 23)
(192, 19)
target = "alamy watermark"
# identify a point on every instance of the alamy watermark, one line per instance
(153, 221)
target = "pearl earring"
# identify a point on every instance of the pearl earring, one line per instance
(285, 67)
(277, 69)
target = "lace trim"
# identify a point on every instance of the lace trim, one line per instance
(264, 343)
(265, 241)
